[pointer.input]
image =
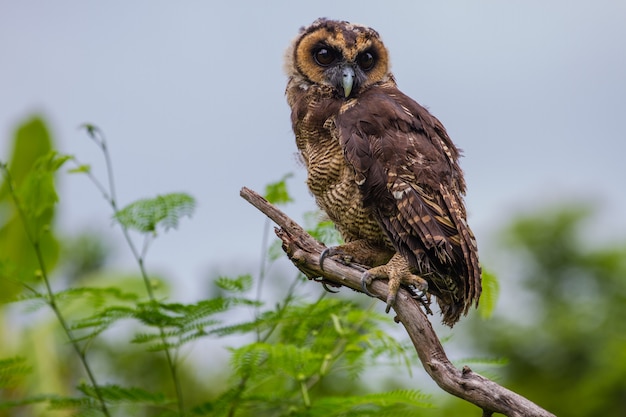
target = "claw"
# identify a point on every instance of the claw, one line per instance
(328, 289)
(391, 300)
(325, 284)
(366, 279)
(423, 296)
(325, 253)
(424, 299)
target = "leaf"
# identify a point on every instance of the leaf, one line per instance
(117, 394)
(276, 193)
(81, 169)
(392, 403)
(11, 370)
(489, 295)
(181, 323)
(6, 405)
(261, 359)
(37, 193)
(64, 403)
(164, 210)
(31, 141)
(322, 230)
(240, 284)
(29, 178)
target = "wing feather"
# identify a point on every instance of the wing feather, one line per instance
(407, 170)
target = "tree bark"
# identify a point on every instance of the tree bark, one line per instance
(304, 251)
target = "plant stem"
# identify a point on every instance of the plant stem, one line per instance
(51, 300)
(262, 267)
(305, 393)
(111, 198)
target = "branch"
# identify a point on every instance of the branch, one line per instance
(304, 251)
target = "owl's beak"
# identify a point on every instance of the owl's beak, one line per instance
(347, 80)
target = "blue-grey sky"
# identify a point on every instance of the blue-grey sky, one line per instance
(191, 98)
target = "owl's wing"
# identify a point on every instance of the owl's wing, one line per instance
(406, 168)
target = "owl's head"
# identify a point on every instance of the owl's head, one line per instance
(343, 56)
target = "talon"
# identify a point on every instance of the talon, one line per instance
(391, 300)
(366, 279)
(325, 253)
(328, 289)
(423, 296)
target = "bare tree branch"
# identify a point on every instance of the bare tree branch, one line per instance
(304, 251)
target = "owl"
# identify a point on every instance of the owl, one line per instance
(381, 167)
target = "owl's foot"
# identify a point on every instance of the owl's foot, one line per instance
(357, 253)
(397, 271)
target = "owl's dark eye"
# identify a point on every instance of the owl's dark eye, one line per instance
(365, 60)
(324, 56)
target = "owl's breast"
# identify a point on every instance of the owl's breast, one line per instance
(331, 181)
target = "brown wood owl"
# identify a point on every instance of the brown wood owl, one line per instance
(381, 166)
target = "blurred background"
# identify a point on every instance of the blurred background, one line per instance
(191, 98)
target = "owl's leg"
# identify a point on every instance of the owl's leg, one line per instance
(359, 252)
(397, 271)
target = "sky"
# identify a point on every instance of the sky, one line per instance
(190, 96)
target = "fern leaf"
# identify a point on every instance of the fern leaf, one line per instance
(240, 284)
(7, 405)
(241, 328)
(103, 317)
(118, 394)
(63, 403)
(164, 210)
(182, 323)
(12, 370)
(393, 403)
(96, 297)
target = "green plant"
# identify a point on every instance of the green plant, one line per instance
(303, 357)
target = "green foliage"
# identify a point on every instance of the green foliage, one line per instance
(240, 284)
(277, 193)
(307, 359)
(164, 210)
(298, 357)
(180, 323)
(27, 190)
(302, 351)
(393, 403)
(118, 394)
(574, 330)
(34, 197)
(37, 194)
(489, 295)
(12, 370)
(321, 228)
